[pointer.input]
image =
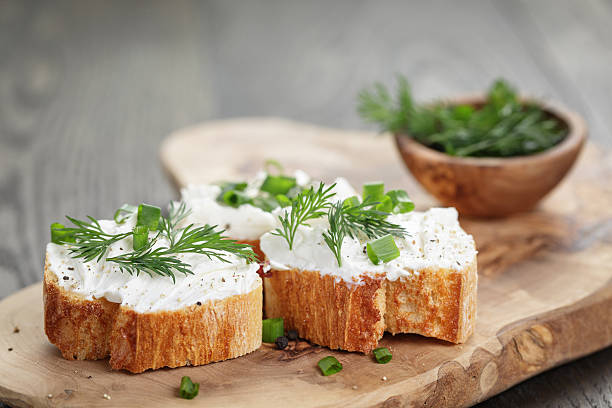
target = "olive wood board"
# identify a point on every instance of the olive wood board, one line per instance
(544, 295)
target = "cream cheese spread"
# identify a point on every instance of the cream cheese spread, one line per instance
(434, 239)
(211, 280)
(246, 222)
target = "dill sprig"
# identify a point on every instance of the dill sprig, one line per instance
(89, 241)
(307, 205)
(334, 236)
(210, 242)
(356, 222)
(175, 215)
(366, 220)
(503, 126)
(158, 261)
(198, 240)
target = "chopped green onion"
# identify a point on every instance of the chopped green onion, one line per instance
(385, 205)
(140, 236)
(188, 389)
(382, 250)
(329, 365)
(401, 202)
(278, 184)
(268, 164)
(351, 202)
(61, 237)
(373, 191)
(124, 212)
(283, 200)
(382, 355)
(235, 198)
(148, 215)
(272, 329)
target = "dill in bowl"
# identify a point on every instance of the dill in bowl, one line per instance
(502, 126)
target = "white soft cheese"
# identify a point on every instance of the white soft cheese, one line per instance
(434, 239)
(211, 279)
(245, 222)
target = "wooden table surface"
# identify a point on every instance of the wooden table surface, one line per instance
(88, 91)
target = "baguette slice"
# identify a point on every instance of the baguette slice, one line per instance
(350, 308)
(439, 303)
(93, 310)
(85, 329)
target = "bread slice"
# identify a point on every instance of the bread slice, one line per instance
(438, 303)
(333, 308)
(85, 329)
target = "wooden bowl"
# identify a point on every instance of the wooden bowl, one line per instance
(494, 187)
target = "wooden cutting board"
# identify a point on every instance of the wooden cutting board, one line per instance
(544, 298)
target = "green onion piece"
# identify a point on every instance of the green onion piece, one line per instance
(148, 215)
(382, 355)
(266, 203)
(373, 191)
(226, 186)
(329, 365)
(235, 198)
(351, 202)
(401, 202)
(140, 236)
(272, 329)
(124, 212)
(385, 205)
(268, 164)
(188, 389)
(278, 184)
(61, 237)
(283, 200)
(382, 250)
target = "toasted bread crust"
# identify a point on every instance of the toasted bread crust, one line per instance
(438, 303)
(334, 314)
(94, 329)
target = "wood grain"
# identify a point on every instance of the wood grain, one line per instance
(540, 304)
(83, 85)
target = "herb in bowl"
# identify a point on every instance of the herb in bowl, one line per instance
(504, 126)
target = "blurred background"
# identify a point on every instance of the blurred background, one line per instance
(89, 89)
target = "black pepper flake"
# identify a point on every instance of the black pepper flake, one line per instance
(10, 349)
(365, 249)
(66, 278)
(70, 268)
(227, 226)
(292, 335)
(199, 303)
(89, 377)
(16, 330)
(281, 342)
